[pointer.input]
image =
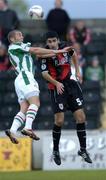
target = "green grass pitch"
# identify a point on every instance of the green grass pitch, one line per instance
(55, 175)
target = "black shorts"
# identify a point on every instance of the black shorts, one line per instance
(71, 99)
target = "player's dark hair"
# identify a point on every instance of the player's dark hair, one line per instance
(11, 34)
(51, 34)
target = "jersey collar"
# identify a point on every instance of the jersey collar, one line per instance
(18, 43)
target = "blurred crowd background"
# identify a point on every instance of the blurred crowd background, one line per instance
(88, 37)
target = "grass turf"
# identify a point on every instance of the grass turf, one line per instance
(55, 175)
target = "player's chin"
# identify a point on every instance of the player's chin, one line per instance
(52, 47)
(21, 40)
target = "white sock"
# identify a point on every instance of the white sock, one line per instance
(18, 121)
(31, 114)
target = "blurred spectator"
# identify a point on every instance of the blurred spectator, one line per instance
(78, 50)
(8, 21)
(80, 33)
(95, 71)
(28, 38)
(4, 61)
(58, 20)
(81, 61)
(73, 72)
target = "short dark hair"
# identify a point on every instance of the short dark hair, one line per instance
(51, 34)
(11, 34)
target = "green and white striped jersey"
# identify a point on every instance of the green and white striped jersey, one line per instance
(20, 57)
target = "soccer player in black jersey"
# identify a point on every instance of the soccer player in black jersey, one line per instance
(66, 94)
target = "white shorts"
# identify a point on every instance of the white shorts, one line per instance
(26, 86)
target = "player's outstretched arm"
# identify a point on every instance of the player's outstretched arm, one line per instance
(46, 55)
(42, 51)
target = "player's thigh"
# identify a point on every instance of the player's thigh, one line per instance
(18, 91)
(58, 102)
(75, 97)
(31, 91)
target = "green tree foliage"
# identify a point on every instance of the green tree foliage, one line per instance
(20, 6)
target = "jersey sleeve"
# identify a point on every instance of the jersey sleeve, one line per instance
(43, 65)
(66, 44)
(25, 48)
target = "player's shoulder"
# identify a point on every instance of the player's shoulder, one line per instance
(64, 44)
(26, 44)
(12, 46)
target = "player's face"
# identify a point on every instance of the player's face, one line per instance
(52, 43)
(18, 37)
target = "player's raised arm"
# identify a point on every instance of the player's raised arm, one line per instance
(42, 51)
(46, 55)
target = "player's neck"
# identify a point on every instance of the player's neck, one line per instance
(56, 48)
(18, 43)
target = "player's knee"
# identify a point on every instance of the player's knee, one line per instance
(81, 118)
(59, 122)
(24, 107)
(38, 104)
(59, 119)
(34, 100)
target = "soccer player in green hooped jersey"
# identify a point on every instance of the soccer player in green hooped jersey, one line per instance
(26, 86)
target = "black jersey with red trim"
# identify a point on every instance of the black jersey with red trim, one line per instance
(58, 66)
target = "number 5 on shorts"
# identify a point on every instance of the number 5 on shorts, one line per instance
(79, 102)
